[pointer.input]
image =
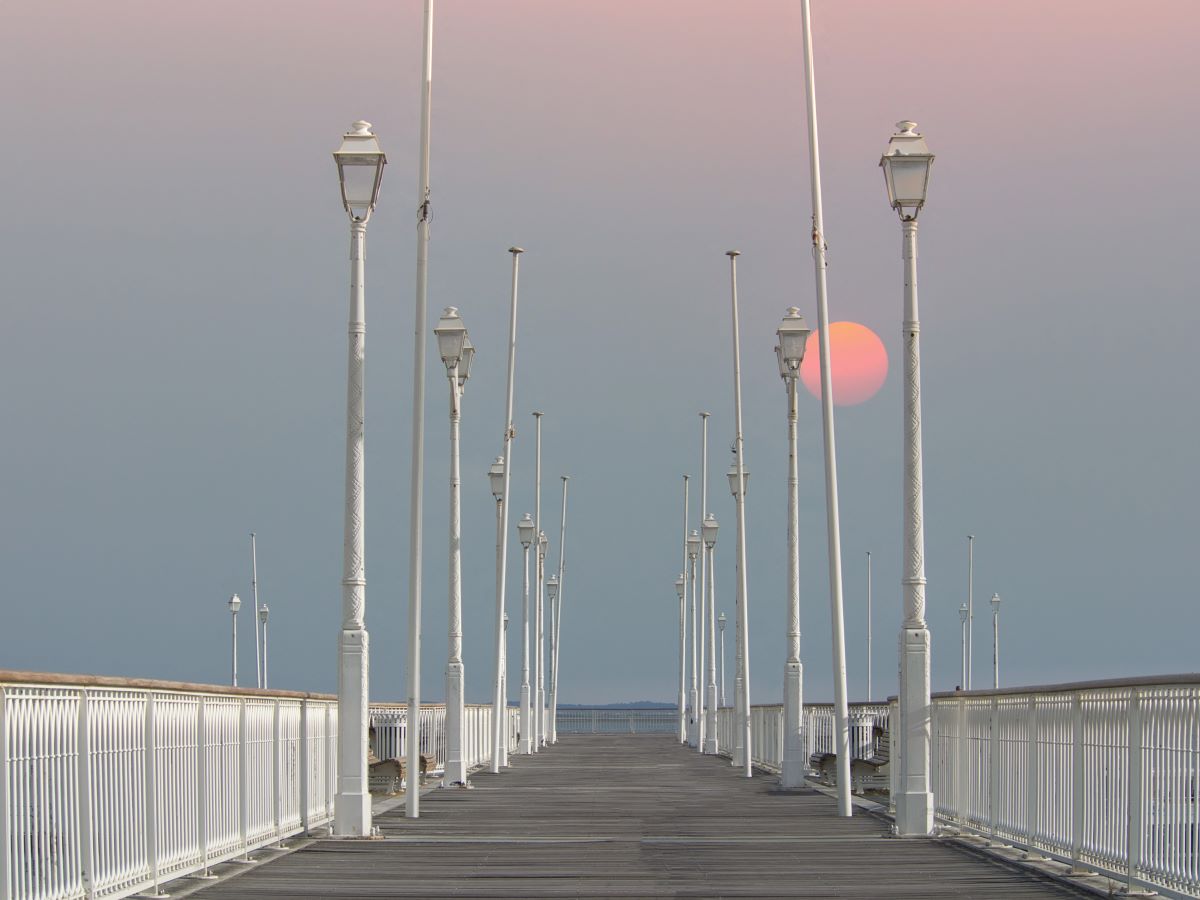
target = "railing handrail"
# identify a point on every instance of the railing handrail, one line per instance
(17, 677)
(1070, 686)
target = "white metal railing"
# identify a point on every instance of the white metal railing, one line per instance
(389, 732)
(1104, 774)
(112, 786)
(610, 720)
(766, 731)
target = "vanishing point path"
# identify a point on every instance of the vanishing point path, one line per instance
(628, 816)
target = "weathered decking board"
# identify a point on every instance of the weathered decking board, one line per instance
(628, 816)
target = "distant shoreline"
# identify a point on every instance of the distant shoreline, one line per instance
(631, 704)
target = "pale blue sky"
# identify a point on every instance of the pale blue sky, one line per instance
(173, 267)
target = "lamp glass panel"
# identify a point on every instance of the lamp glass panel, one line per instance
(450, 342)
(908, 180)
(358, 178)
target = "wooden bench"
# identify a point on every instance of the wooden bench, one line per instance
(387, 776)
(865, 774)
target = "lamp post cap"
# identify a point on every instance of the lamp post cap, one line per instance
(538, 414)
(499, 461)
(732, 253)
(793, 312)
(906, 126)
(705, 415)
(514, 250)
(450, 312)
(361, 128)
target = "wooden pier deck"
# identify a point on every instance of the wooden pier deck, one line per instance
(628, 816)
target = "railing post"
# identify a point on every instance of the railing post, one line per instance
(1031, 776)
(201, 790)
(1077, 780)
(994, 768)
(87, 852)
(243, 778)
(5, 858)
(151, 788)
(305, 765)
(1133, 840)
(277, 773)
(962, 799)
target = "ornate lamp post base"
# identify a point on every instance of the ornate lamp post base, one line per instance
(352, 803)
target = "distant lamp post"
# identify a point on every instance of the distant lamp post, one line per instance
(496, 478)
(995, 640)
(709, 534)
(552, 599)
(263, 612)
(360, 162)
(542, 552)
(739, 660)
(679, 592)
(235, 603)
(962, 622)
(457, 353)
(693, 550)
(906, 164)
(721, 625)
(525, 531)
(792, 336)
(503, 730)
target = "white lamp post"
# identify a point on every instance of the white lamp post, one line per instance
(709, 532)
(906, 164)
(693, 738)
(721, 624)
(263, 612)
(504, 693)
(258, 673)
(679, 591)
(740, 744)
(682, 591)
(558, 606)
(500, 701)
(235, 603)
(457, 353)
(360, 162)
(739, 450)
(962, 623)
(542, 552)
(702, 703)
(525, 531)
(970, 610)
(789, 354)
(416, 530)
(870, 652)
(552, 599)
(995, 640)
(539, 554)
(497, 478)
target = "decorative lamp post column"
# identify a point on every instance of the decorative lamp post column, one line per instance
(789, 354)
(542, 551)
(906, 164)
(360, 162)
(741, 737)
(235, 603)
(504, 694)
(552, 598)
(497, 477)
(456, 352)
(679, 591)
(538, 562)
(693, 737)
(962, 622)
(721, 624)
(995, 640)
(263, 613)
(709, 532)
(525, 530)
(701, 713)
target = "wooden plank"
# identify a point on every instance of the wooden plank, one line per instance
(628, 816)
